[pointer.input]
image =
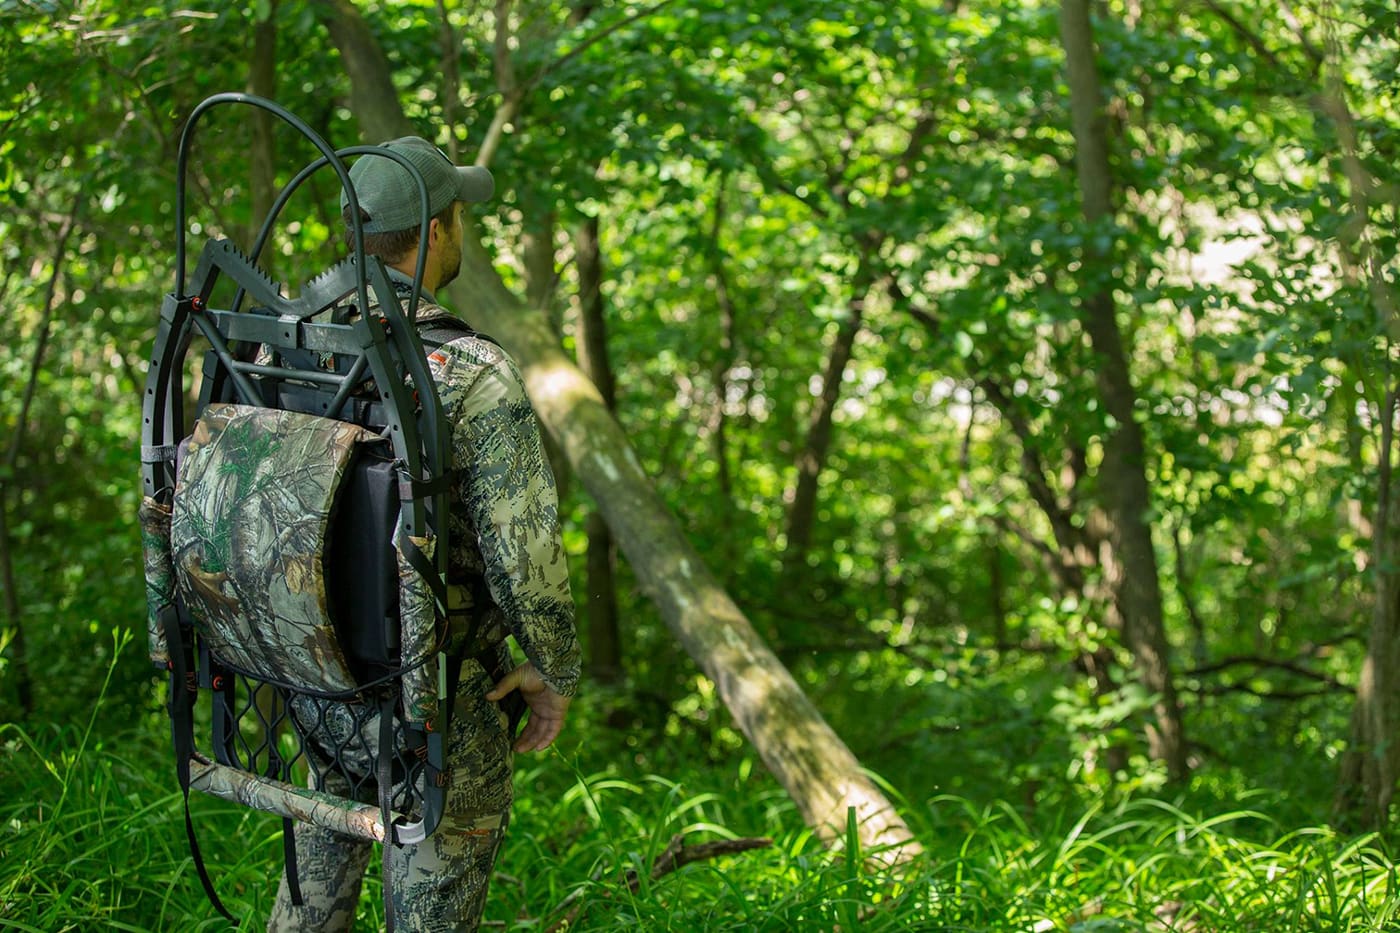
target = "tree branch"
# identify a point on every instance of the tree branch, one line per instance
(1292, 667)
(675, 856)
(1224, 689)
(513, 93)
(41, 341)
(1313, 53)
(1251, 38)
(1036, 477)
(724, 358)
(451, 51)
(594, 39)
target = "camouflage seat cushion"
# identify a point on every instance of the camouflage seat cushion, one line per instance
(254, 501)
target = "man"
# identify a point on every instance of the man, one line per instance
(505, 546)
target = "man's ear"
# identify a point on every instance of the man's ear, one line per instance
(434, 230)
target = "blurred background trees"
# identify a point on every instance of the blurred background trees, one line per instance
(1023, 371)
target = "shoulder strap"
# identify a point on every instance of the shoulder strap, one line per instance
(437, 331)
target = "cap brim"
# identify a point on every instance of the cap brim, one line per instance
(474, 183)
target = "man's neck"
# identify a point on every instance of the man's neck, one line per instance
(405, 276)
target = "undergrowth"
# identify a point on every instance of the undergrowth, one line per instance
(92, 837)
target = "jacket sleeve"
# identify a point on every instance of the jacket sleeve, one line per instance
(509, 490)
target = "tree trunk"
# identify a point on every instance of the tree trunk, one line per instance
(996, 585)
(537, 261)
(811, 762)
(24, 682)
(262, 156)
(373, 99)
(1371, 765)
(724, 357)
(450, 98)
(1200, 647)
(604, 634)
(802, 512)
(1122, 475)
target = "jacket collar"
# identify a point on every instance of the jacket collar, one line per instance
(403, 284)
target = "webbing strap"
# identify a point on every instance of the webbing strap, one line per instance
(181, 708)
(289, 841)
(411, 488)
(513, 703)
(386, 777)
(442, 729)
(421, 563)
(289, 860)
(224, 726)
(158, 453)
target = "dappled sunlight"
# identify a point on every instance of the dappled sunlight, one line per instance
(998, 449)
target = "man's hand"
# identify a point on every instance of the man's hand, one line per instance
(547, 708)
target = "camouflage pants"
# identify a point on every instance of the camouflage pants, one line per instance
(439, 884)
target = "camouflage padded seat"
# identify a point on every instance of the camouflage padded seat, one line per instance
(254, 504)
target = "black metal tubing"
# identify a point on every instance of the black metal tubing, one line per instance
(433, 422)
(352, 378)
(163, 406)
(390, 356)
(286, 193)
(244, 388)
(182, 163)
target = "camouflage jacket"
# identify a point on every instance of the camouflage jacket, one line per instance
(504, 517)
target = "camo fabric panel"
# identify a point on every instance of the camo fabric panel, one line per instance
(418, 630)
(504, 520)
(251, 509)
(160, 573)
(337, 814)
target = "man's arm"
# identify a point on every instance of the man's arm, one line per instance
(510, 493)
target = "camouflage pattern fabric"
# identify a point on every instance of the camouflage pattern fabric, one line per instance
(504, 510)
(418, 630)
(506, 559)
(439, 884)
(160, 573)
(336, 813)
(250, 513)
(504, 521)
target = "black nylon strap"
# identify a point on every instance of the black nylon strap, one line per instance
(385, 778)
(289, 838)
(434, 333)
(420, 562)
(414, 488)
(289, 860)
(181, 709)
(497, 666)
(225, 749)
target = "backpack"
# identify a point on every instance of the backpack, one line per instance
(294, 540)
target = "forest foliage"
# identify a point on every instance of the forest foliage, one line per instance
(844, 268)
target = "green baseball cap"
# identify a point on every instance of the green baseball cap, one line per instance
(388, 192)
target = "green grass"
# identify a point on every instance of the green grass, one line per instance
(91, 837)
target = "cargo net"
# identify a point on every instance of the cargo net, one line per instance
(331, 746)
